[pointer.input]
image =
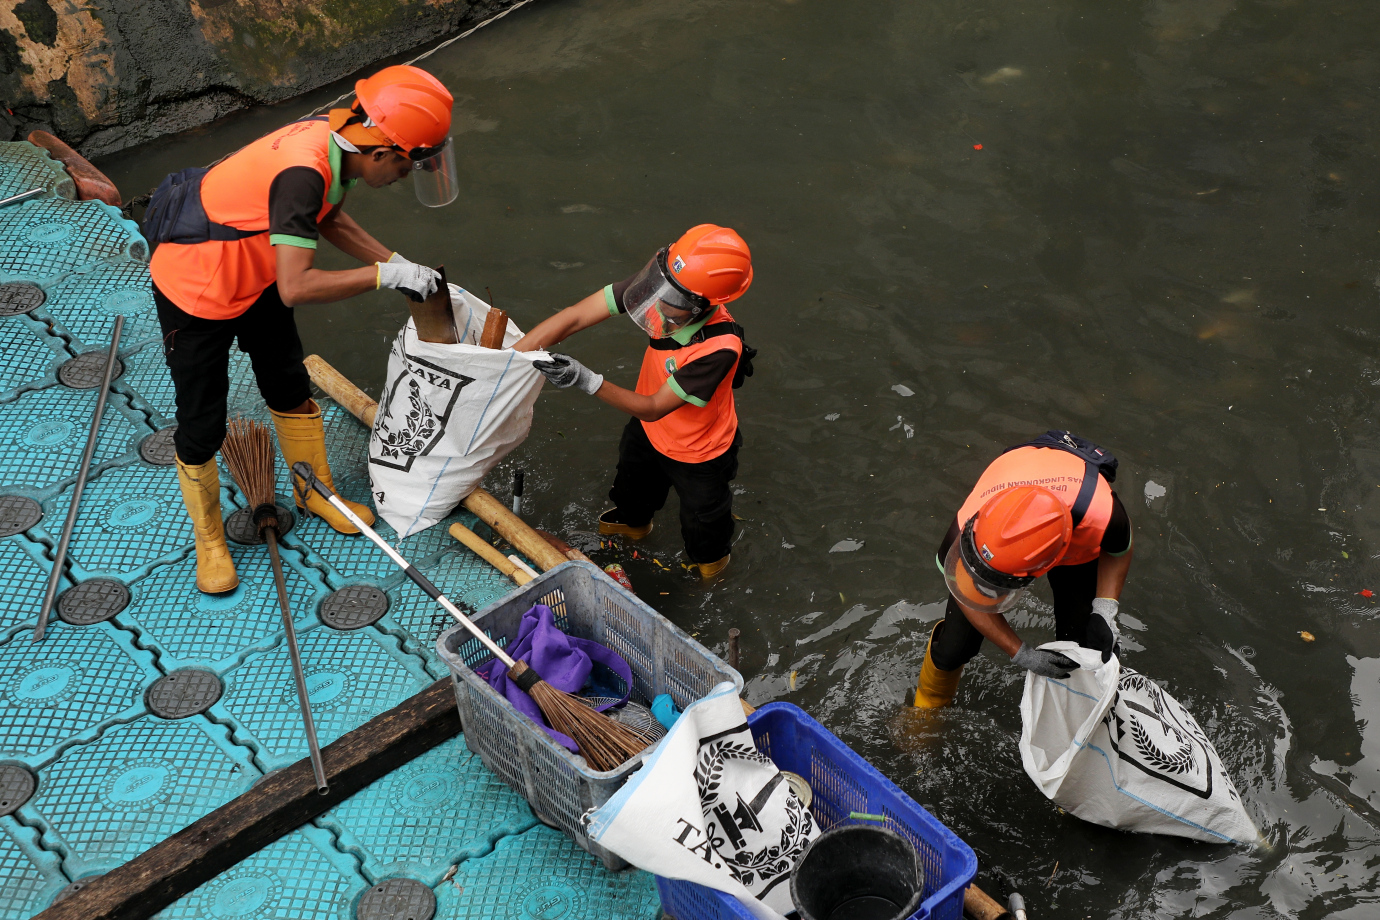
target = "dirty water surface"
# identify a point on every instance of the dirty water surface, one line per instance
(1147, 222)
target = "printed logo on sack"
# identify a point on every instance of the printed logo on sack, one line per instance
(422, 792)
(414, 411)
(51, 433)
(49, 233)
(551, 902)
(45, 684)
(671, 367)
(139, 783)
(1157, 736)
(126, 303)
(241, 895)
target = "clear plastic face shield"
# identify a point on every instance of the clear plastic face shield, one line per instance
(659, 305)
(434, 176)
(975, 584)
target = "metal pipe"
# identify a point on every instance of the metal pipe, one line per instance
(300, 676)
(518, 477)
(60, 558)
(733, 635)
(22, 196)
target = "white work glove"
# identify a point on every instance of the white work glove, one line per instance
(418, 282)
(564, 371)
(1045, 662)
(1102, 632)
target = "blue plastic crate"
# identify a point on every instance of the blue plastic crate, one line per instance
(30, 356)
(85, 304)
(43, 434)
(428, 815)
(465, 578)
(43, 239)
(30, 876)
(147, 379)
(215, 631)
(105, 802)
(542, 874)
(299, 877)
(77, 680)
(351, 677)
(132, 519)
(25, 166)
(842, 783)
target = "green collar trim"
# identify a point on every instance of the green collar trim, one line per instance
(337, 191)
(683, 336)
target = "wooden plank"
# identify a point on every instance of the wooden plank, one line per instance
(91, 183)
(281, 802)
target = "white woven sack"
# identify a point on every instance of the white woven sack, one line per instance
(448, 415)
(1110, 746)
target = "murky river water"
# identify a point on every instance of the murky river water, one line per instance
(1147, 222)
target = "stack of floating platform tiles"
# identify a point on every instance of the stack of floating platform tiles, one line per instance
(149, 704)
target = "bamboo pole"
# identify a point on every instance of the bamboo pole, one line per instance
(488, 553)
(979, 906)
(483, 505)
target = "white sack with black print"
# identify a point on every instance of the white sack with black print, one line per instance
(448, 415)
(1112, 747)
(707, 807)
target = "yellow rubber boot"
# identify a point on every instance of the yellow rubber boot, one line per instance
(302, 438)
(709, 569)
(215, 570)
(613, 528)
(935, 688)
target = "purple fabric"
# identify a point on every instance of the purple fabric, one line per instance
(564, 662)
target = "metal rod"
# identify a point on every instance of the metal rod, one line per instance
(60, 558)
(317, 766)
(303, 471)
(733, 635)
(22, 196)
(518, 477)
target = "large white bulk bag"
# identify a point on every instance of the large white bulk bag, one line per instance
(448, 414)
(1110, 746)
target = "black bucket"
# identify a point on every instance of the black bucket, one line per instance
(858, 872)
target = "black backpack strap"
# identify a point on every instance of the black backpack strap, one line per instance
(1086, 491)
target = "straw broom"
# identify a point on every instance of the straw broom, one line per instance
(604, 743)
(248, 452)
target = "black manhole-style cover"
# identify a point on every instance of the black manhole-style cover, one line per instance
(75, 887)
(397, 899)
(158, 447)
(184, 693)
(86, 371)
(17, 786)
(18, 514)
(354, 607)
(93, 601)
(19, 297)
(239, 527)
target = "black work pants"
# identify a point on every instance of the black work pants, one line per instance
(646, 475)
(1074, 587)
(197, 351)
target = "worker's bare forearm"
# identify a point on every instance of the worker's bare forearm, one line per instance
(647, 408)
(556, 329)
(341, 230)
(995, 629)
(1111, 573)
(317, 286)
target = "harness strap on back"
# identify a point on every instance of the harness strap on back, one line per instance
(1086, 491)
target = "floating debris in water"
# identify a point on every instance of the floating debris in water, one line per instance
(901, 423)
(903, 390)
(1366, 592)
(785, 545)
(832, 417)
(1307, 636)
(1002, 75)
(1154, 491)
(846, 546)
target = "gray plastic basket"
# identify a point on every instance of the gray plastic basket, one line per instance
(559, 785)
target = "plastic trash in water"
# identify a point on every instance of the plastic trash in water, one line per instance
(847, 546)
(902, 390)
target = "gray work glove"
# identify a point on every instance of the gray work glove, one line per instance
(564, 371)
(1044, 662)
(1102, 632)
(418, 282)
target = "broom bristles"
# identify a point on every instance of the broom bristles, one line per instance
(248, 451)
(606, 744)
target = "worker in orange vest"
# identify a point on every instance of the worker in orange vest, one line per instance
(684, 426)
(1043, 508)
(237, 245)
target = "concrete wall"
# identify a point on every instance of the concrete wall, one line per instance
(107, 74)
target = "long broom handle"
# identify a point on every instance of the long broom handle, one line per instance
(55, 577)
(302, 470)
(309, 723)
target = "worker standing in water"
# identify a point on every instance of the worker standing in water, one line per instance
(684, 426)
(236, 253)
(1043, 508)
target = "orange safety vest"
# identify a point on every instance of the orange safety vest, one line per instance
(1063, 474)
(691, 434)
(220, 280)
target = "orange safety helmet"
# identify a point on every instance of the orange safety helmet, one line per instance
(1017, 535)
(711, 261)
(408, 106)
